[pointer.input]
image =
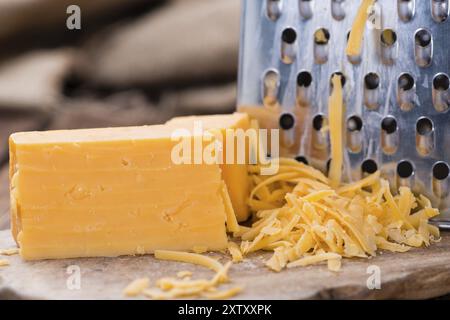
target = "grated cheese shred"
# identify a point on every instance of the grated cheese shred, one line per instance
(136, 287)
(355, 39)
(235, 252)
(9, 252)
(224, 294)
(232, 224)
(335, 113)
(188, 257)
(184, 274)
(4, 263)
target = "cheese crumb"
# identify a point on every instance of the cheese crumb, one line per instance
(225, 294)
(4, 263)
(136, 287)
(184, 274)
(9, 252)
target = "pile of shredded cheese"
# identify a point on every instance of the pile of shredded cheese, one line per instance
(304, 220)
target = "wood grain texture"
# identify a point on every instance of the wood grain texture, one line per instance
(420, 273)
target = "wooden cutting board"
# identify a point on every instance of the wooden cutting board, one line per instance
(420, 273)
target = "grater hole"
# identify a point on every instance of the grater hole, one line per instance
(423, 51)
(440, 10)
(389, 135)
(319, 135)
(389, 125)
(271, 82)
(302, 159)
(369, 166)
(406, 92)
(321, 39)
(389, 47)
(405, 169)
(440, 93)
(388, 37)
(353, 59)
(406, 9)
(273, 9)
(424, 136)
(372, 81)
(354, 137)
(289, 35)
(424, 126)
(441, 82)
(354, 124)
(371, 94)
(343, 79)
(337, 11)
(318, 122)
(288, 49)
(441, 170)
(305, 7)
(304, 79)
(406, 82)
(321, 36)
(271, 79)
(423, 38)
(287, 121)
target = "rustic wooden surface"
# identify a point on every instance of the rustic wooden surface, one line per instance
(420, 273)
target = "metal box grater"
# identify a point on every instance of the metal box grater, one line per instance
(396, 93)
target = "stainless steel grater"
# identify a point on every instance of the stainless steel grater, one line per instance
(396, 93)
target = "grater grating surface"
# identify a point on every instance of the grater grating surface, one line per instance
(396, 93)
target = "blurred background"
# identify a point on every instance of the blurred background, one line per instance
(133, 62)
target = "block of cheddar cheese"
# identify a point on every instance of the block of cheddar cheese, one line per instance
(111, 192)
(234, 174)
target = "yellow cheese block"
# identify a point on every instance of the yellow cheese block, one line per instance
(235, 174)
(111, 192)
